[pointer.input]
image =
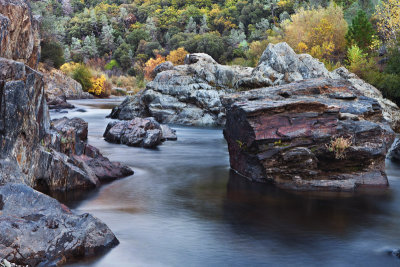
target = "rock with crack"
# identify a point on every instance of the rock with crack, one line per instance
(146, 132)
(39, 231)
(317, 134)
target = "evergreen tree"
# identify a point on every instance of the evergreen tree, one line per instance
(361, 31)
(76, 46)
(107, 38)
(67, 54)
(203, 26)
(89, 48)
(191, 26)
(237, 36)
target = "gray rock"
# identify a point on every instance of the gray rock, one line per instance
(145, 132)
(38, 230)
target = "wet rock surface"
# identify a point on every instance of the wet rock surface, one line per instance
(288, 134)
(141, 132)
(38, 230)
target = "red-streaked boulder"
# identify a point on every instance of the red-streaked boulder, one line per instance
(286, 134)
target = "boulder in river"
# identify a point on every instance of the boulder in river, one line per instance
(317, 134)
(186, 94)
(36, 230)
(190, 94)
(142, 132)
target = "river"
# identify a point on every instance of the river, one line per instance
(184, 207)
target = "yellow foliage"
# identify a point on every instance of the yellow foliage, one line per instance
(322, 30)
(69, 67)
(388, 19)
(302, 47)
(150, 66)
(98, 85)
(177, 56)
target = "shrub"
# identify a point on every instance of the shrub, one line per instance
(177, 56)
(52, 53)
(356, 60)
(83, 75)
(150, 66)
(338, 146)
(69, 68)
(112, 64)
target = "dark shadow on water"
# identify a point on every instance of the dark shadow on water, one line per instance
(264, 208)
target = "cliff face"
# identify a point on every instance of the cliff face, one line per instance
(19, 32)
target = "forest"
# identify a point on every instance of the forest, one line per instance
(105, 44)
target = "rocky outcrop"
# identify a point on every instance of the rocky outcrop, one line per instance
(59, 88)
(31, 152)
(19, 32)
(186, 94)
(38, 230)
(279, 64)
(190, 94)
(390, 110)
(140, 132)
(318, 134)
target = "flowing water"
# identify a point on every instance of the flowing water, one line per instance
(184, 207)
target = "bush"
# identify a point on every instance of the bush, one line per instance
(83, 75)
(112, 64)
(356, 60)
(387, 83)
(177, 56)
(52, 53)
(150, 66)
(361, 31)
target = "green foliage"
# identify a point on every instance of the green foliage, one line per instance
(112, 64)
(356, 60)
(52, 53)
(393, 64)
(83, 75)
(360, 31)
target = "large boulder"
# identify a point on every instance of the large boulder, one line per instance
(279, 64)
(58, 86)
(190, 94)
(36, 230)
(317, 134)
(142, 132)
(19, 32)
(186, 94)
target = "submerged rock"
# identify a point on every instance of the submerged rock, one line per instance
(145, 132)
(38, 230)
(318, 134)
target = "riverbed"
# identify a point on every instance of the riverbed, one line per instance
(185, 207)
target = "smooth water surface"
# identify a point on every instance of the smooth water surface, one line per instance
(184, 207)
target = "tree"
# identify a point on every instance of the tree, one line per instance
(191, 26)
(177, 56)
(52, 53)
(322, 30)
(360, 31)
(203, 26)
(107, 38)
(67, 54)
(89, 48)
(135, 36)
(388, 19)
(237, 36)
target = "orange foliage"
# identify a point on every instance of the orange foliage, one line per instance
(150, 65)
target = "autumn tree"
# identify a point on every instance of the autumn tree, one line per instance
(321, 30)
(177, 56)
(388, 19)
